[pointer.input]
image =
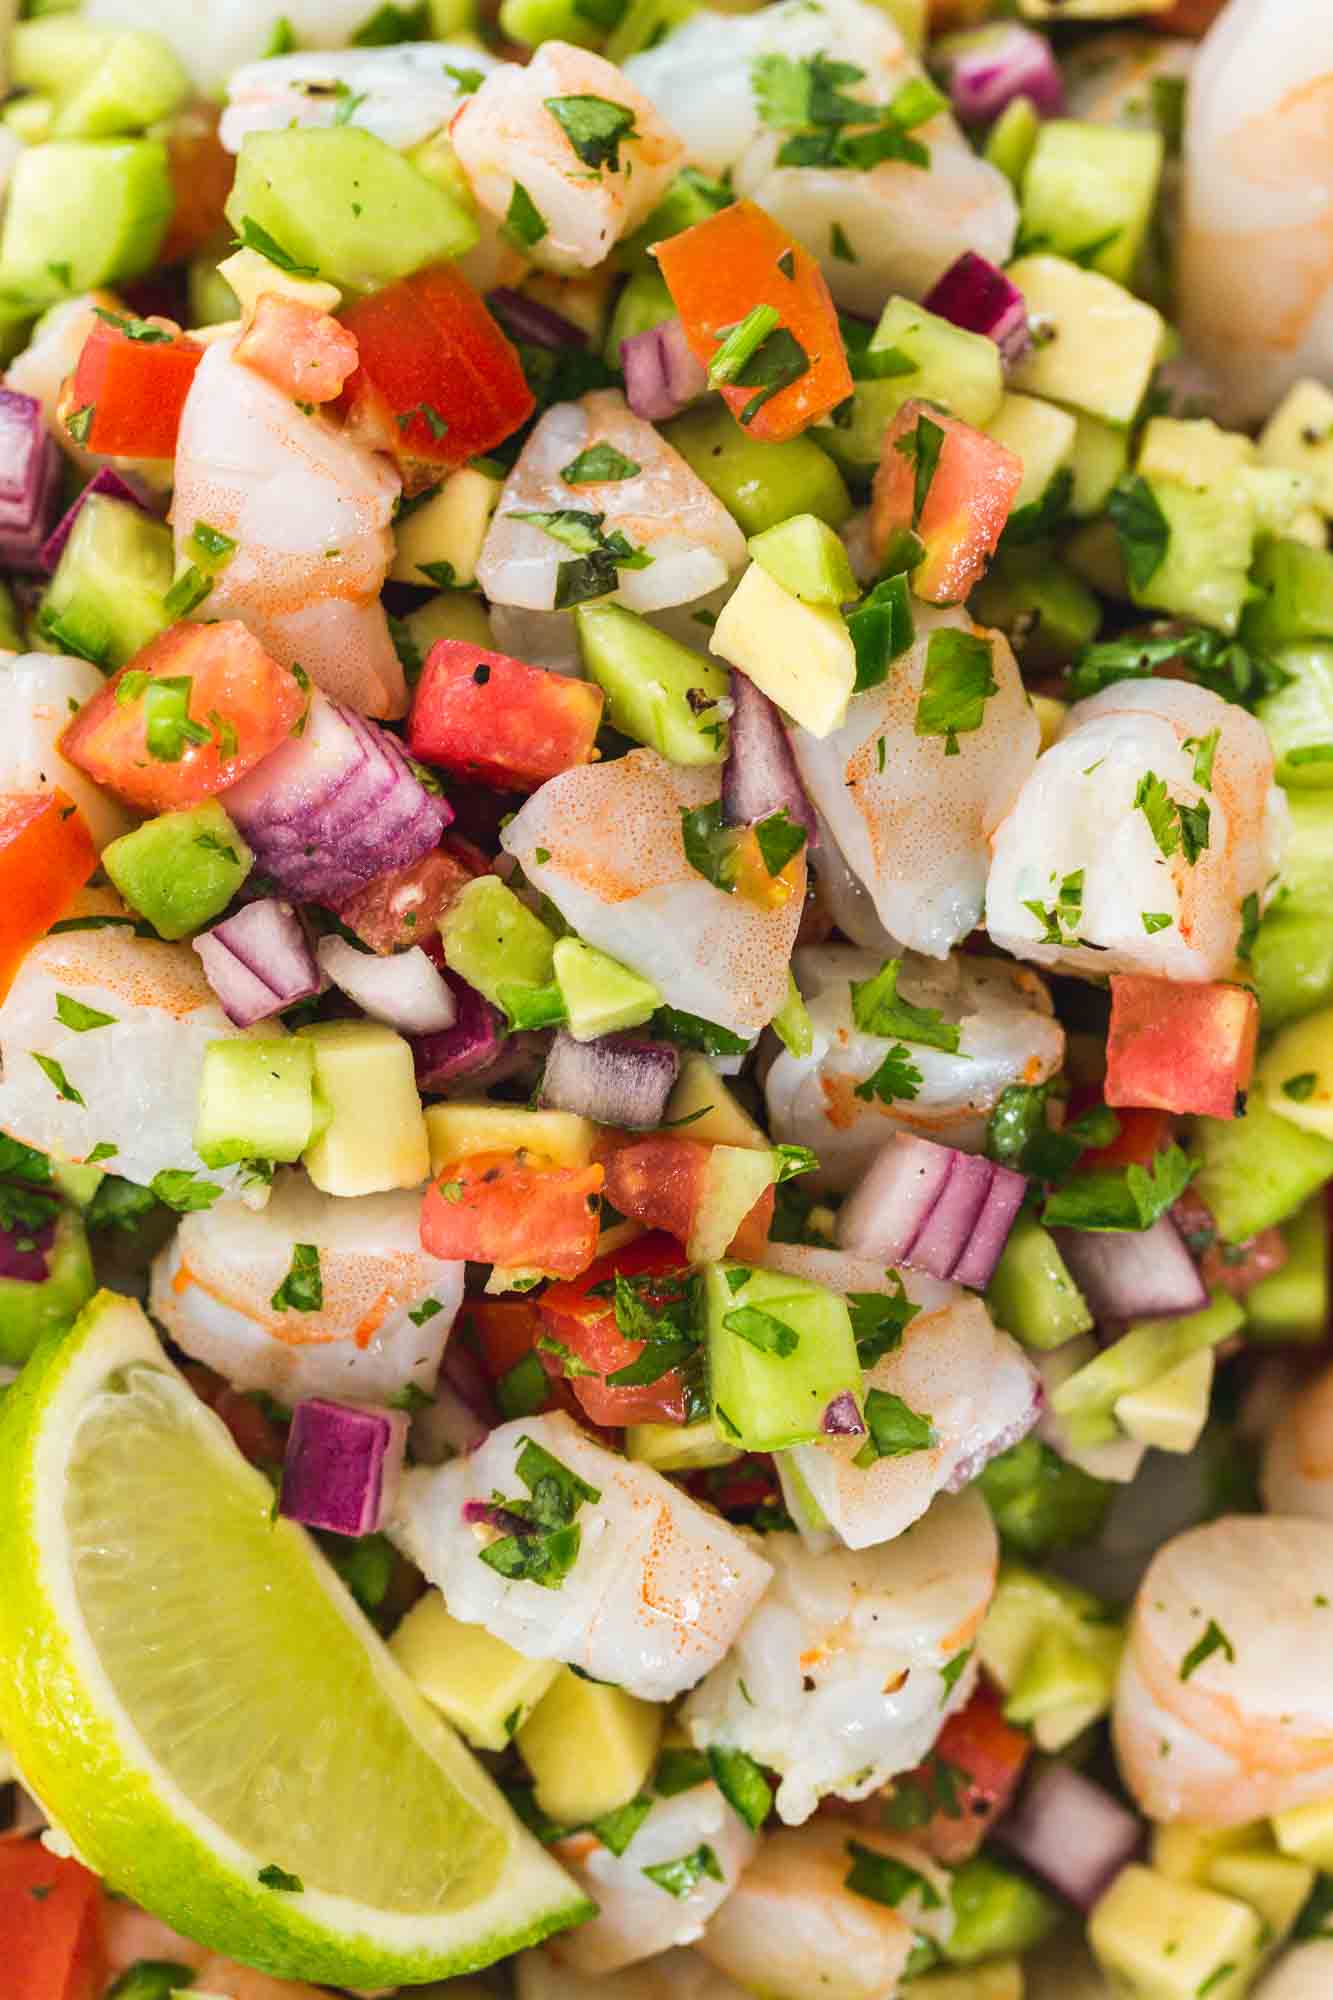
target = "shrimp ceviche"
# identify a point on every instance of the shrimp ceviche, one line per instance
(666, 1000)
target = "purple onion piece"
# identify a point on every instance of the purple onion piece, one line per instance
(889, 1207)
(486, 1514)
(470, 1044)
(760, 775)
(404, 988)
(529, 320)
(342, 1466)
(1071, 1833)
(975, 295)
(30, 466)
(259, 961)
(842, 1418)
(985, 70)
(1133, 1274)
(621, 1080)
(24, 1253)
(107, 484)
(991, 1230)
(663, 375)
(947, 1230)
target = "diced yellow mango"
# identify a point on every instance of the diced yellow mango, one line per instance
(482, 1686)
(590, 1748)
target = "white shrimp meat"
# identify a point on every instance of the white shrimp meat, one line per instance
(39, 692)
(674, 1975)
(1298, 1456)
(1303, 1973)
(403, 93)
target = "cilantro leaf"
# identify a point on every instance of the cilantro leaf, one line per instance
(1143, 529)
(879, 1320)
(895, 1430)
(883, 1878)
(594, 127)
(897, 1078)
(524, 222)
(72, 1013)
(878, 1009)
(921, 445)
(1214, 1640)
(177, 1188)
(302, 1290)
(254, 237)
(955, 687)
(881, 629)
(599, 465)
(680, 1877)
(1115, 1198)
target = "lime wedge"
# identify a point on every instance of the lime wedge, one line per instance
(198, 1703)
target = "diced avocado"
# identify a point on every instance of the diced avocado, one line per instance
(738, 1176)
(759, 484)
(1164, 1940)
(658, 691)
(1256, 1171)
(1171, 1410)
(692, 197)
(440, 541)
(1296, 1073)
(1299, 437)
(590, 1748)
(1292, 1304)
(1186, 1853)
(454, 614)
(256, 1101)
(375, 1136)
(1086, 1402)
(248, 275)
(1054, 1649)
(531, 22)
(1089, 193)
(1059, 1676)
(83, 213)
(644, 303)
(30, 1308)
(1040, 1501)
(180, 869)
(1299, 717)
(345, 205)
(136, 81)
(780, 1349)
(805, 556)
(1292, 959)
(699, 1089)
(679, 1447)
(212, 301)
(996, 1910)
(1032, 1294)
(1100, 457)
(644, 24)
(1196, 473)
(1276, 1885)
(1307, 1833)
(478, 1683)
(105, 600)
(1045, 611)
(1040, 434)
(926, 357)
(1293, 598)
(1095, 344)
(493, 940)
(800, 655)
(600, 996)
(458, 1130)
(1011, 138)
(997, 1979)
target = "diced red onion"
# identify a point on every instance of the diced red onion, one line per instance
(760, 774)
(24, 1252)
(842, 1418)
(259, 961)
(107, 484)
(342, 1466)
(987, 69)
(404, 989)
(335, 807)
(488, 1514)
(622, 1080)
(1071, 1833)
(29, 480)
(445, 1428)
(662, 374)
(943, 1238)
(528, 319)
(1133, 1274)
(469, 1044)
(974, 294)
(926, 1206)
(990, 1233)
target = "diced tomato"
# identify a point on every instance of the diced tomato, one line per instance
(496, 1208)
(236, 697)
(50, 1925)
(405, 906)
(439, 382)
(722, 268)
(587, 1327)
(46, 855)
(253, 1431)
(736, 1490)
(664, 1182)
(1180, 1047)
(300, 350)
(202, 171)
(1141, 1137)
(504, 1330)
(967, 1781)
(129, 388)
(964, 506)
(487, 717)
(1226, 1267)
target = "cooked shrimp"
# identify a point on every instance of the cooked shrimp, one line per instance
(1008, 1035)
(674, 1975)
(657, 1592)
(402, 93)
(604, 842)
(796, 1926)
(981, 1395)
(1224, 1707)
(844, 1674)
(664, 509)
(1142, 838)
(911, 820)
(38, 694)
(213, 1286)
(586, 194)
(1303, 1973)
(309, 511)
(1298, 1456)
(637, 1916)
(213, 41)
(1254, 289)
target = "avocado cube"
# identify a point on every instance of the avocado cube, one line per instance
(494, 941)
(83, 213)
(1292, 1304)
(1257, 1170)
(1040, 434)
(1032, 1294)
(105, 601)
(759, 483)
(1095, 345)
(1275, 1885)
(590, 1748)
(692, 1447)
(1089, 193)
(1292, 961)
(445, 534)
(800, 655)
(1086, 1401)
(256, 1100)
(996, 1910)
(531, 22)
(1165, 1940)
(780, 1350)
(181, 869)
(807, 558)
(1307, 1833)
(1296, 1073)
(459, 1130)
(644, 24)
(1099, 459)
(658, 691)
(1053, 1648)
(374, 1138)
(45, 52)
(1186, 1853)
(30, 1308)
(1171, 1410)
(1046, 612)
(703, 1101)
(1299, 436)
(600, 996)
(478, 1683)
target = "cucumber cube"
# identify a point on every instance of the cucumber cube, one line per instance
(83, 213)
(702, 1100)
(1292, 959)
(1042, 436)
(1087, 1400)
(531, 22)
(780, 1349)
(477, 1682)
(345, 206)
(445, 534)
(805, 556)
(1046, 612)
(374, 1136)
(1299, 718)
(105, 601)
(136, 81)
(256, 1101)
(996, 1910)
(1089, 193)
(1040, 1501)
(759, 484)
(44, 54)
(1032, 1294)
(1164, 1940)
(493, 940)
(30, 1308)
(590, 1748)
(644, 303)
(1296, 1073)
(600, 996)
(657, 691)
(181, 869)
(1257, 1170)
(1096, 345)
(1292, 1304)
(1293, 596)
(644, 24)
(1011, 138)
(1100, 457)
(930, 358)
(454, 614)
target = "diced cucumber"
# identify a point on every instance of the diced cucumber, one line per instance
(477, 1682)
(1089, 192)
(1040, 434)
(600, 996)
(805, 556)
(1046, 612)
(1197, 475)
(996, 1910)
(345, 206)
(494, 941)
(1293, 598)
(454, 614)
(136, 81)
(643, 304)
(644, 24)
(181, 869)
(1164, 1940)
(1011, 138)
(759, 484)
(792, 1024)
(780, 1349)
(440, 541)
(1295, 1073)
(1096, 345)
(83, 213)
(703, 1101)
(590, 1748)
(911, 18)
(1299, 436)
(105, 600)
(930, 358)
(1100, 458)
(256, 1101)
(1306, 880)
(531, 22)
(679, 1447)
(1292, 1304)
(1032, 1294)
(1256, 1171)
(657, 691)
(30, 1308)
(1086, 1401)
(1299, 718)
(374, 1136)
(1040, 1501)
(45, 54)
(1292, 959)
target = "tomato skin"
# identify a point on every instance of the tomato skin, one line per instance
(964, 510)
(487, 717)
(502, 1210)
(1180, 1047)
(302, 351)
(664, 1182)
(233, 681)
(587, 1327)
(986, 1756)
(428, 343)
(722, 268)
(135, 389)
(50, 1925)
(46, 855)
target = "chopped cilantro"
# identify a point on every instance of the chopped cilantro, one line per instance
(881, 629)
(883, 1878)
(955, 687)
(922, 446)
(177, 1187)
(254, 237)
(599, 464)
(1143, 529)
(680, 1877)
(302, 1290)
(897, 1078)
(72, 1013)
(524, 221)
(1214, 1640)
(52, 1070)
(879, 1320)
(895, 1430)
(878, 1009)
(594, 127)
